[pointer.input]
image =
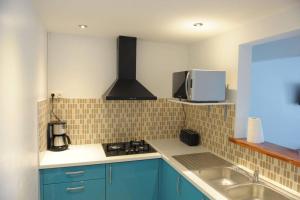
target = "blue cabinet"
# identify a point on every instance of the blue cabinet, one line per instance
(73, 174)
(173, 186)
(73, 183)
(188, 192)
(168, 179)
(137, 180)
(82, 190)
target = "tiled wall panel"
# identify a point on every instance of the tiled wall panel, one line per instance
(43, 118)
(98, 121)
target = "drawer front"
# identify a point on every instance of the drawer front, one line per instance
(71, 174)
(82, 190)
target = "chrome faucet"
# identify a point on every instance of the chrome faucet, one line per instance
(256, 176)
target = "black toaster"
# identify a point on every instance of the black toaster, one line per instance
(190, 137)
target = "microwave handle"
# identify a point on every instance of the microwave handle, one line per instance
(187, 86)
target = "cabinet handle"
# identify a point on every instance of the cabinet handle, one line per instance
(74, 189)
(177, 185)
(75, 173)
(110, 174)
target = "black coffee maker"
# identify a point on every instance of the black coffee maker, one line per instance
(57, 138)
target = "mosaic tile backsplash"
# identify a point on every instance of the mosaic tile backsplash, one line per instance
(98, 121)
(43, 119)
(215, 130)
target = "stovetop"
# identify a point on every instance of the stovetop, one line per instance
(127, 148)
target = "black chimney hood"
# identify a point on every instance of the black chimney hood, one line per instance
(126, 87)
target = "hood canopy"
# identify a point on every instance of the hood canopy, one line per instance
(126, 87)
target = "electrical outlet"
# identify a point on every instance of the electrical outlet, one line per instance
(56, 94)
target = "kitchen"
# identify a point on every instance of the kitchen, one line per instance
(59, 62)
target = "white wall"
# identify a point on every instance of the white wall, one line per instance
(22, 83)
(156, 62)
(80, 66)
(222, 52)
(84, 66)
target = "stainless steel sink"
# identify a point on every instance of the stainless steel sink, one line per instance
(223, 177)
(228, 179)
(254, 191)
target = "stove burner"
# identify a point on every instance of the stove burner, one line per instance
(115, 147)
(137, 143)
(125, 148)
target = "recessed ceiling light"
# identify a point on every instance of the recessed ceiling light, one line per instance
(82, 26)
(199, 24)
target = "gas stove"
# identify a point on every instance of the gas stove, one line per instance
(127, 148)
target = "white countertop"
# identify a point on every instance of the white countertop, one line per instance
(88, 154)
(171, 147)
(92, 154)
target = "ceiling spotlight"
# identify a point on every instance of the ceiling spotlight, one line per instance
(199, 24)
(82, 26)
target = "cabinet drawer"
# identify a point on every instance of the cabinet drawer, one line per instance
(82, 190)
(71, 174)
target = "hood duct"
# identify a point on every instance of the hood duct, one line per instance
(126, 87)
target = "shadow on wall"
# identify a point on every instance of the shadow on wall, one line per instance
(293, 93)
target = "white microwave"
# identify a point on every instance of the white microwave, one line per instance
(198, 85)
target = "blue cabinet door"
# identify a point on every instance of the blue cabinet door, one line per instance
(168, 182)
(173, 186)
(137, 180)
(82, 190)
(188, 191)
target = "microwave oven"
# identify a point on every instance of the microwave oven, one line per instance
(199, 85)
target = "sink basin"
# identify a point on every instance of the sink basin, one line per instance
(228, 179)
(223, 177)
(254, 191)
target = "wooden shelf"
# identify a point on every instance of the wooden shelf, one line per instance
(199, 104)
(272, 150)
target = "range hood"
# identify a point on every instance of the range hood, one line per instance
(126, 87)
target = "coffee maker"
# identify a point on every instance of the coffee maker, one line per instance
(57, 138)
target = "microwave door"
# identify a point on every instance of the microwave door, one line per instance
(188, 86)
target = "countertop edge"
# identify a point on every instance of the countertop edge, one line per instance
(107, 160)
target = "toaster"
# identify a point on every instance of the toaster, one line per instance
(190, 137)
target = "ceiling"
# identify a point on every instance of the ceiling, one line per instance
(157, 20)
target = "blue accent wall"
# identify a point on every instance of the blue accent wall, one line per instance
(285, 48)
(275, 93)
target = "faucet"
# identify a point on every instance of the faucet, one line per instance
(256, 176)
